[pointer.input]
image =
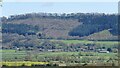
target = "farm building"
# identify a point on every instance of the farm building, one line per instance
(104, 51)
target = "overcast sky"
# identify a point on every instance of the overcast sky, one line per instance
(13, 8)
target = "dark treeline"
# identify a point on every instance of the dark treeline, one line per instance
(81, 16)
(20, 29)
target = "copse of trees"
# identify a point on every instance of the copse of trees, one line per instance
(85, 30)
(21, 29)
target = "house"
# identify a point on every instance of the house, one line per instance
(104, 51)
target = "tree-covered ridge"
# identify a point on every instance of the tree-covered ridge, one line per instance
(60, 25)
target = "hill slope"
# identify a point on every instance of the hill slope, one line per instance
(66, 26)
(103, 35)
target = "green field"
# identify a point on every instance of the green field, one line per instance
(86, 42)
(107, 44)
(9, 57)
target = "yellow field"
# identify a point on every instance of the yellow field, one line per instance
(28, 63)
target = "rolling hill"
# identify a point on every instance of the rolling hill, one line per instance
(90, 26)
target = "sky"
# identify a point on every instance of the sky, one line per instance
(60, 0)
(15, 8)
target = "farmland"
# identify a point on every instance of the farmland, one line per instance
(30, 57)
(60, 57)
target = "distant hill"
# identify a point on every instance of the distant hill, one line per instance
(93, 26)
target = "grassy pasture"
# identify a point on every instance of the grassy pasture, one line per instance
(107, 44)
(87, 42)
